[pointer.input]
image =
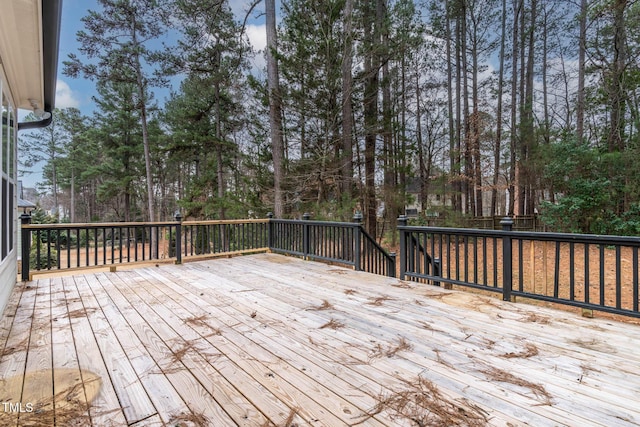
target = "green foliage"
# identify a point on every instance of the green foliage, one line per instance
(583, 208)
(47, 260)
(592, 190)
(39, 216)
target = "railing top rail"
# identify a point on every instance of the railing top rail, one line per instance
(313, 222)
(530, 235)
(226, 221)
(376, 245)
(64, 226)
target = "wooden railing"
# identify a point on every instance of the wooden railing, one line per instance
(51, 247)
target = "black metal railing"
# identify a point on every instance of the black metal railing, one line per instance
(47, 247)
(344, 243)
(67, 246)
(587, 271)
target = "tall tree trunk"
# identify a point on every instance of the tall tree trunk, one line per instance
(219, 148)
(581, 65)
(455, 204)
(347, 106)
(546, 130)
(517, 9)
(458, 125)
(616, 90)
(424, 179)
(470, 205)
(72, 210)
(498, 142)
(528, 138)
(370, 106)
(389, 157)
(475, 131)
(275, 108)
(142, 106)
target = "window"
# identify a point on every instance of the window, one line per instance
(8, 172)
(5, 219)
(4, 159)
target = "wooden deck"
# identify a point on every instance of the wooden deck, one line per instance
(271, 340)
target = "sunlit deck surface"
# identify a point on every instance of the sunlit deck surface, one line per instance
(272, 340)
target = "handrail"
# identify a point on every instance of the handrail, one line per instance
(81, 245)
(592, 272)
(346, 243)
(377, 260)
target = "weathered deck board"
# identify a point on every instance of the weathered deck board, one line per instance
(248, 341)
(198, 402)
(14, 354)
(105, 408)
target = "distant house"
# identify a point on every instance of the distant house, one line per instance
(29, 36)
(437, 197)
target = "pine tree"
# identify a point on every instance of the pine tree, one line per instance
(117, 39)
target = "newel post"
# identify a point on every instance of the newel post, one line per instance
(507, 266)
(25, 219)
(306, 244)
(402, 222)
(357, 237)
(178, 218)
(270, 230)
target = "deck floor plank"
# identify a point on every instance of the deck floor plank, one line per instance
(14, 355)
(597, 407)
(163, 395)
(247, 341)
(158, 342)
(130, 390)
(70, 386)
(358, 343)
(271, 353)
(275, 373)
(38, 389)
(191, 350)
(104, 408)
(353, 355)
(354, 375)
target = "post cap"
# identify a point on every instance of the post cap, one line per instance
(506, 221)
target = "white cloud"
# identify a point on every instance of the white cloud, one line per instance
(257, 35)
(65, 97)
